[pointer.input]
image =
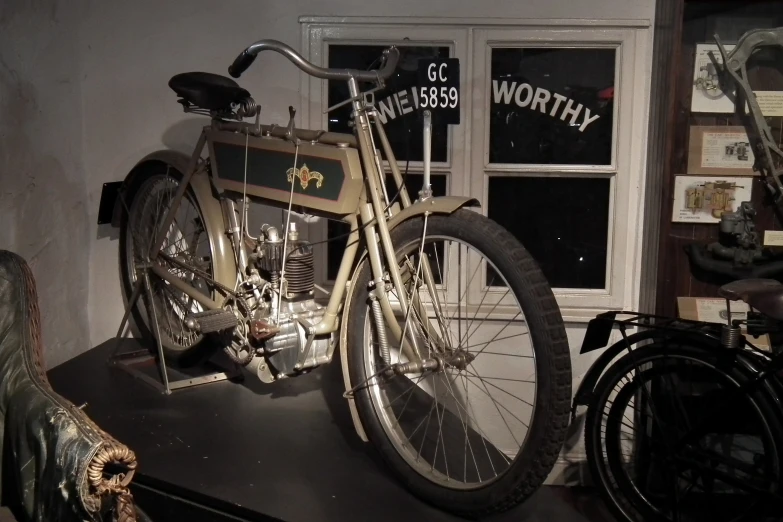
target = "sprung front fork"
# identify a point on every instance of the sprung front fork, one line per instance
(416, 277)
(380, 325)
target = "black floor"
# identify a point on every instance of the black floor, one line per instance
(286, 450)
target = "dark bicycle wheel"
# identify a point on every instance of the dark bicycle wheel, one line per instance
(672, 436)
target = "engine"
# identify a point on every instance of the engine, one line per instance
(280, 333)
(299, 267)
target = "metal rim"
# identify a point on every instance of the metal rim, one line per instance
(148, 209)
(471, 381)
(615, 463)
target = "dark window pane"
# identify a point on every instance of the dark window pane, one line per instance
(563, 223)
(396, 104)
(551, 106)
(336, 248)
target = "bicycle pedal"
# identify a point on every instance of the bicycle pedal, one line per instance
(212, 321)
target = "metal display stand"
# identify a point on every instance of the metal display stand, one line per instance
(130, 361)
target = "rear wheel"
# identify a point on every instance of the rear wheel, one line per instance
(481, 432)
(186, 249)
(672, 436)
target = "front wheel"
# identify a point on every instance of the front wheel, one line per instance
(480, 429)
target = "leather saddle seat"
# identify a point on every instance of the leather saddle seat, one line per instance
(764, 295)
(208, 91)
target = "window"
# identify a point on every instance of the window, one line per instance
(538, 144)
(552, 106)
(570, 245)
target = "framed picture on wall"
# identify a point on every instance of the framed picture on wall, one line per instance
(709, 93)
(720, 150)
(700, 199)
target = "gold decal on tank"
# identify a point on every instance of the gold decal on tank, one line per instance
(305, 175)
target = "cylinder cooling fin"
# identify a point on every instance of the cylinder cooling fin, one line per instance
(271, 259)
(299, 261)
(300, 268)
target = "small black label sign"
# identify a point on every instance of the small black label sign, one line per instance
(438, 88)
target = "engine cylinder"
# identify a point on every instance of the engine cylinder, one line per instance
(300, 269)
(299, 265)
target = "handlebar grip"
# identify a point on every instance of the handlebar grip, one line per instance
(391, 58)
(240, 65)
(246, 58)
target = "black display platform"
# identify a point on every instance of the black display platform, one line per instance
(285, 450)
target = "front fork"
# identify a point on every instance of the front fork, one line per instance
(373, 217)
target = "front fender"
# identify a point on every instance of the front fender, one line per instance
(224, 265)
(438, 205)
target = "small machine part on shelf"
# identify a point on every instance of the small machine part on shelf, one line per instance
(739, 240)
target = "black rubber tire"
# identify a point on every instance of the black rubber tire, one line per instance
(634, 508)
(548, 427)
(175, 354)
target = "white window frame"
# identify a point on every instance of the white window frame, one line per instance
(484, 40)
(471, 41)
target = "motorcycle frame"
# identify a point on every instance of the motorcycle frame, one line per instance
(376, 222)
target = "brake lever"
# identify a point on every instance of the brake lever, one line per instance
(289, 132)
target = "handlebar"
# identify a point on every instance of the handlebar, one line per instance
(246, 58)
(241, 63)
(769, 268)
(749, 42)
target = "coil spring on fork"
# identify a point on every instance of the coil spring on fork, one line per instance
(383, 341)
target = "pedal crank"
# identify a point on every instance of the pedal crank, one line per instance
(212, 321)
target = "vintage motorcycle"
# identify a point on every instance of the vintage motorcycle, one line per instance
(416, 333)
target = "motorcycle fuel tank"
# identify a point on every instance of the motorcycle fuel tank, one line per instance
(327, 179)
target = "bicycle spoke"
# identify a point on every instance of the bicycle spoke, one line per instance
(496, 404)
(499, 388)
(436, 418)
(182, 241)
(483, 436)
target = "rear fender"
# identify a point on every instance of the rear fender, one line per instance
(224, 264)
(749, 361)
(438, 205)
(584, 394)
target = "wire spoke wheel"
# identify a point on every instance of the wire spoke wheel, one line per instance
(444, 422)
(185, 253)
(673, 437)
(491, 393)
